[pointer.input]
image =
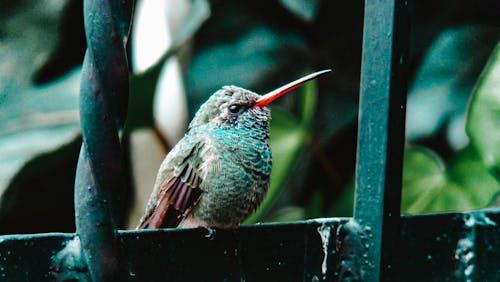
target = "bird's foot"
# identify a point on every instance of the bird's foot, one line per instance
(210, 233)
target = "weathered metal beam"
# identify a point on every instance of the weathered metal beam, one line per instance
(438, 247)
(381, 131)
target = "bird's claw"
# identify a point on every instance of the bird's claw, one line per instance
(210, 233)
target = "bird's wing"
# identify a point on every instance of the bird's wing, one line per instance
(178, 193)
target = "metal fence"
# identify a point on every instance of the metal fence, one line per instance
(377, 244)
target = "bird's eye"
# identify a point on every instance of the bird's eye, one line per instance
(234, 108)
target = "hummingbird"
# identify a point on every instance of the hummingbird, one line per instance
(218, 173)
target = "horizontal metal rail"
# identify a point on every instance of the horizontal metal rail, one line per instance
(438, 247)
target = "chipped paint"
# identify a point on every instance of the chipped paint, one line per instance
(465, 250)
(324, 232)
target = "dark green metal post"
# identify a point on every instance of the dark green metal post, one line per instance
(103, 101)
(381, 131)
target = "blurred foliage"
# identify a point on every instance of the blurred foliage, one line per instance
(260, 45)
(470, 180)
(304, 9)
(431, 186)
(39, 121)
(484, 115)
(443, 82)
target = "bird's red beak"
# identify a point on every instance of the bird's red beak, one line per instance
(275, 94)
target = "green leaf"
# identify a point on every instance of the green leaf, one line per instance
(344, 205)
(483, 124)
(39, 122)
(36, 121)
(438, 96)
(290, 213)
(308, 102)
(148, 51)
(314, 206)
(429, 186)
(39, 131)
(423, 176)
(304, 9)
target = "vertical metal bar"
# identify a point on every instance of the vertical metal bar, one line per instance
(103, 101)
(381, 131)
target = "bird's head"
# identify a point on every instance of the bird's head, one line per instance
(235, 106)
